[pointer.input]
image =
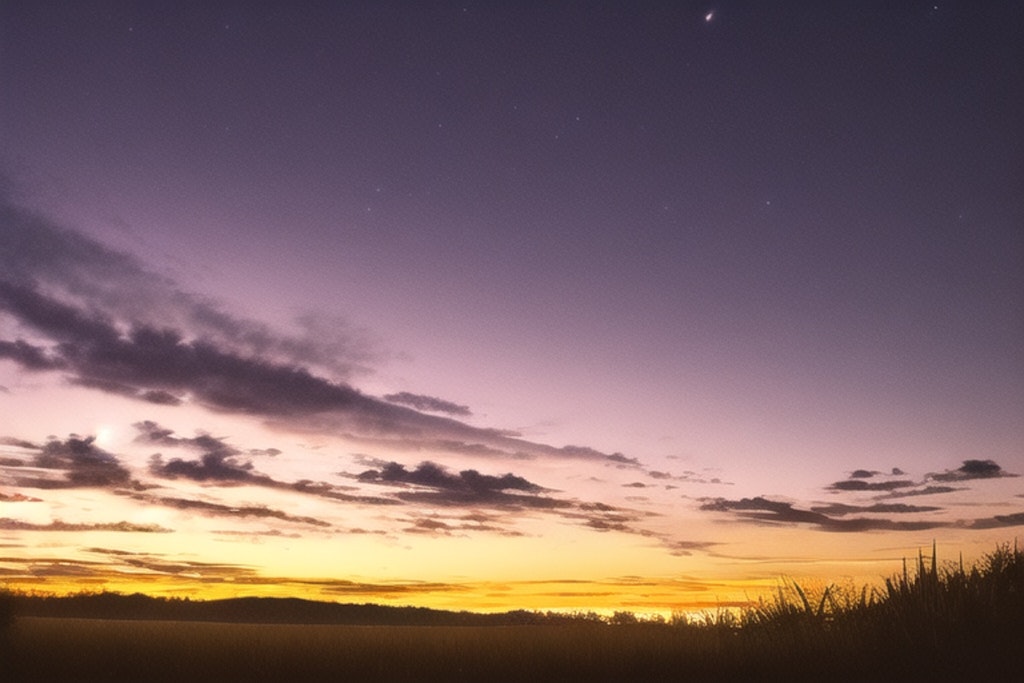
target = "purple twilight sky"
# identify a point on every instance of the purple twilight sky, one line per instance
(770, 243)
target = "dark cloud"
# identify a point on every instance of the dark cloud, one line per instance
(160, 397)
(35, 251)
(222, 464)
(603, 517)
(972, 469)
(868, 474)
(152, 359)
(430, 404)
(213, 467)
(82, 462)
(763, 510)
(583, 451)
(157, 396)
(8, 524)
(111, 325)
(218, 461)
(433, 475)
(28, 356)
(434, 484)
(431, 484)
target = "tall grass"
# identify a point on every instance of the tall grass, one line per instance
(927, 618)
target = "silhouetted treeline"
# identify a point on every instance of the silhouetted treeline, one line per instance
(270, 611)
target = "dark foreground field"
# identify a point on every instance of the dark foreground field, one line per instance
(925, 625)
(84, 649)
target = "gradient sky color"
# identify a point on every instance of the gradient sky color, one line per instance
(493, 305)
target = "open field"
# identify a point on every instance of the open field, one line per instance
(83, 649)
(928, 624)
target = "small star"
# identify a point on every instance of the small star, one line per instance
(709, 17)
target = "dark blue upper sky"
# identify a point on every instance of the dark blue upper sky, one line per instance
(736, 213)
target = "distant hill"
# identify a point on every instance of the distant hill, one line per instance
(269, 611)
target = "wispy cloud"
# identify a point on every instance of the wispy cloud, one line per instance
(209, 508)
(107, 323)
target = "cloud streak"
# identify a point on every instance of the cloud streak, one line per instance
(8, 524)
(428, 403)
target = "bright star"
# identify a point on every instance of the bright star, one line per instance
(709, 16)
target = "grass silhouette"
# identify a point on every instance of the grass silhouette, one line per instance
(925, 623)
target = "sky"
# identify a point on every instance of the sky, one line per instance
(484, 305)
